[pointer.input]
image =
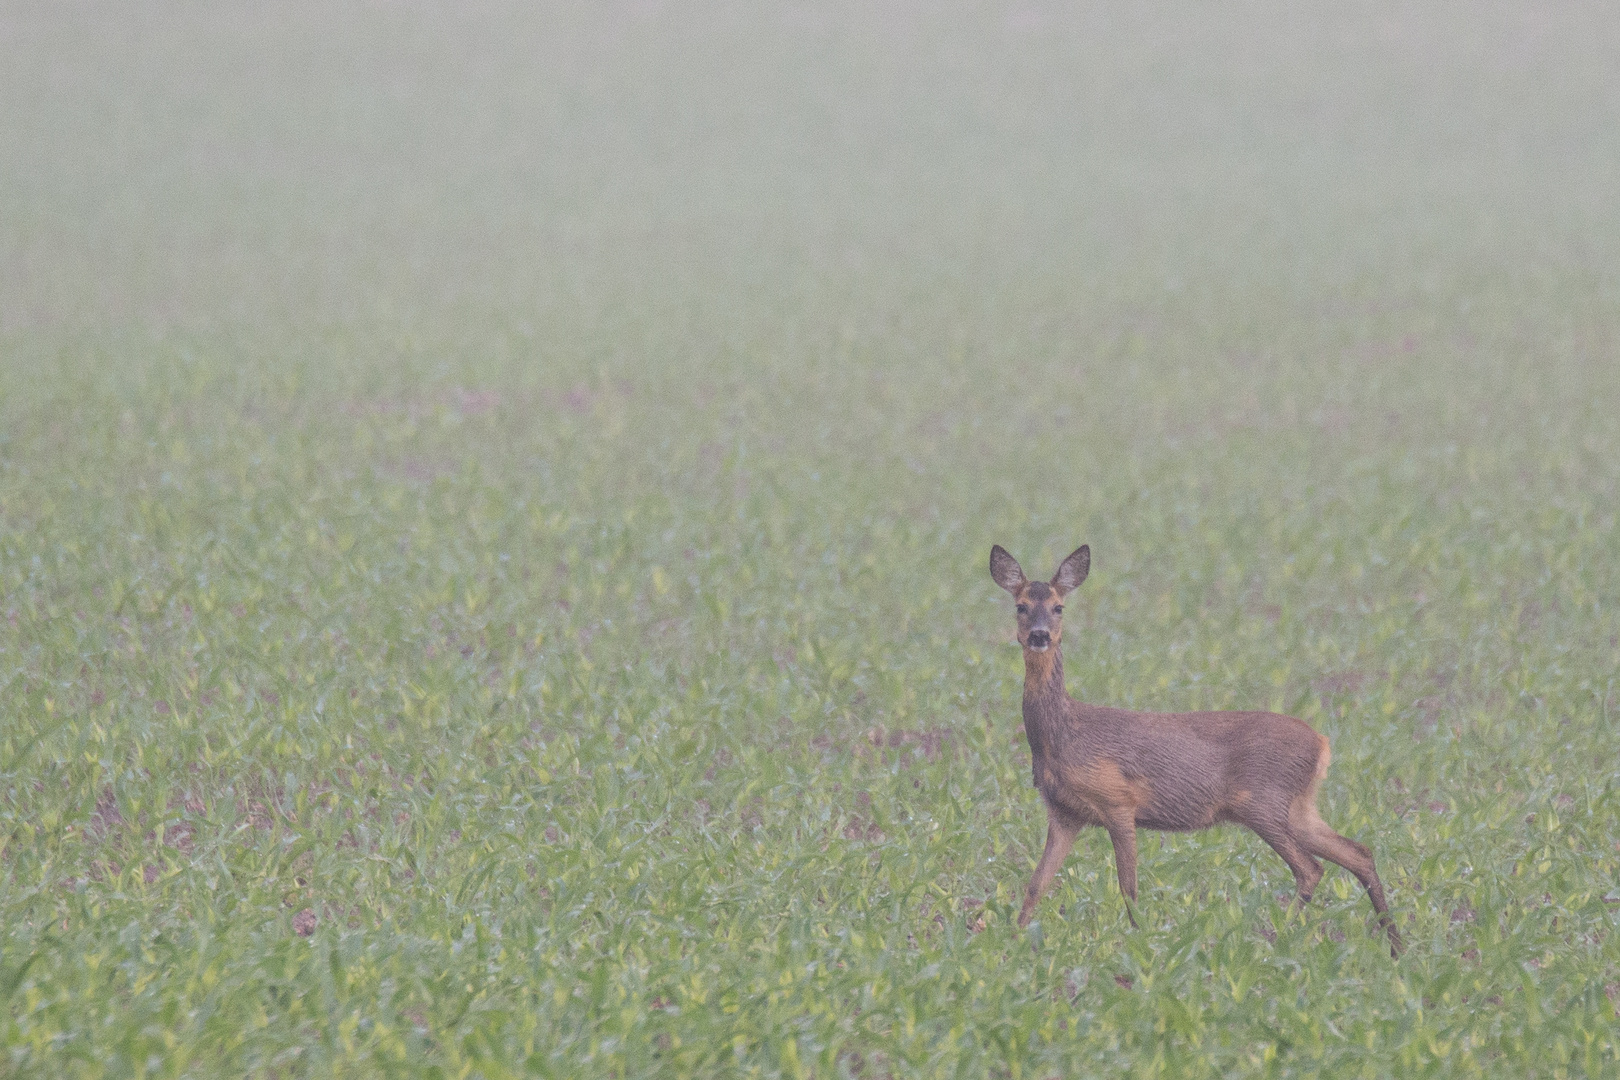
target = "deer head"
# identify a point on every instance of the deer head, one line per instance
(1040, 603)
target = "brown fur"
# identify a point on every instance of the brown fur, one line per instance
(1173, 772)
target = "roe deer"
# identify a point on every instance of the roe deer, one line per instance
(1175, 772)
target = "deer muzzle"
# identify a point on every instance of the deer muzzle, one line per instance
(1040, 640)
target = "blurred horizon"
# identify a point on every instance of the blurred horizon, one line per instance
(279, 173)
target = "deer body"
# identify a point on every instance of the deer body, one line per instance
(1172, 772)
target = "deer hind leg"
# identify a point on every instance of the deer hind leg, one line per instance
(1307, 871)
(1320, 839)
(1060, 836)
(1123, 833)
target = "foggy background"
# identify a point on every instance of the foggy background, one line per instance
(422, 179)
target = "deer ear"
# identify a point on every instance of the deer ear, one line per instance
(1005, 569)
(1073, 570)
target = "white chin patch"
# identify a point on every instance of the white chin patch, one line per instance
(1040, 648)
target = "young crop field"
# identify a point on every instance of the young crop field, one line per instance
(495, 504)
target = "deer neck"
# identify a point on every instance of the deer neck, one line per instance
(1043, 680)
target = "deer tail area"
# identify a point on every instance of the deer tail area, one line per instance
(1304, 809)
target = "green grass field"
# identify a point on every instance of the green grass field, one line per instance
(495, 501)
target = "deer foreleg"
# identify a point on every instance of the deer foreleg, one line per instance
(1059, 842)
(1123, 834)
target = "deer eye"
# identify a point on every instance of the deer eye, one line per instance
(1058, 610)
(1023, 609)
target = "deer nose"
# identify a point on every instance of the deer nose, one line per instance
(1039, 639)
